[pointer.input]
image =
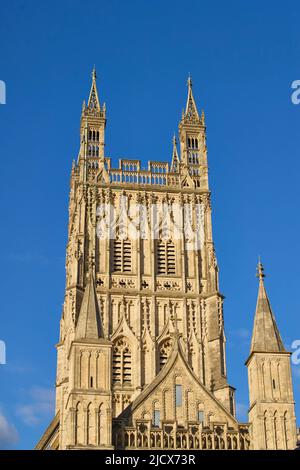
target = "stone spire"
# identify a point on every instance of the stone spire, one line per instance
(175, 157)
(93, 102)
(265, 336)
(191, 113)
(89, 325)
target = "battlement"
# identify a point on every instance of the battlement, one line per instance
(132, 172)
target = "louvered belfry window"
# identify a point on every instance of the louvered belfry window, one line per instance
(122, 256)
(161, 258)
(166, 259)
(171, 268)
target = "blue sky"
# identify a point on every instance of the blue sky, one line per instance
(243, 59)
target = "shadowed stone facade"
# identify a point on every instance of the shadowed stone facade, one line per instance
(141, 356)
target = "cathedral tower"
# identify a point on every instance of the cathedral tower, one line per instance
(272, 409)
(141, 358)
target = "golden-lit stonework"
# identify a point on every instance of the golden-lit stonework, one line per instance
(141, 356)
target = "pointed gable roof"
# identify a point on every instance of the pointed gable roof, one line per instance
(176, 357)
(265, 336)
(89, 325)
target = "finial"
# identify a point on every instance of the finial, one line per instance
(174, 139)
(94, 73)
(189, 82)
(260, 270)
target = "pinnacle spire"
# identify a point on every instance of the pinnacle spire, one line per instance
(93, 101)
(260, 270)
(94, 74)
(265, 336)
(191, 112)
(175, 157)
(89, 325)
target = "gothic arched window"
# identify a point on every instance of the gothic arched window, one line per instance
(178, 394)
(200, 414)
(121, 363)
(193, 157)
(156, 415)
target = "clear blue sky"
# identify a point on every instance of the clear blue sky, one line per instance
(242, 58)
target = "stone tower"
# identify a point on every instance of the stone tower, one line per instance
(141, 356)
(272, 409)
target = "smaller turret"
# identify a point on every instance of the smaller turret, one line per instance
(93, 122)
(271, 413)
(193, 152)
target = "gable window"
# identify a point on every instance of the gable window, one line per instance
(156, 419)
(178, 395)
(164, 352)
(200, 416)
